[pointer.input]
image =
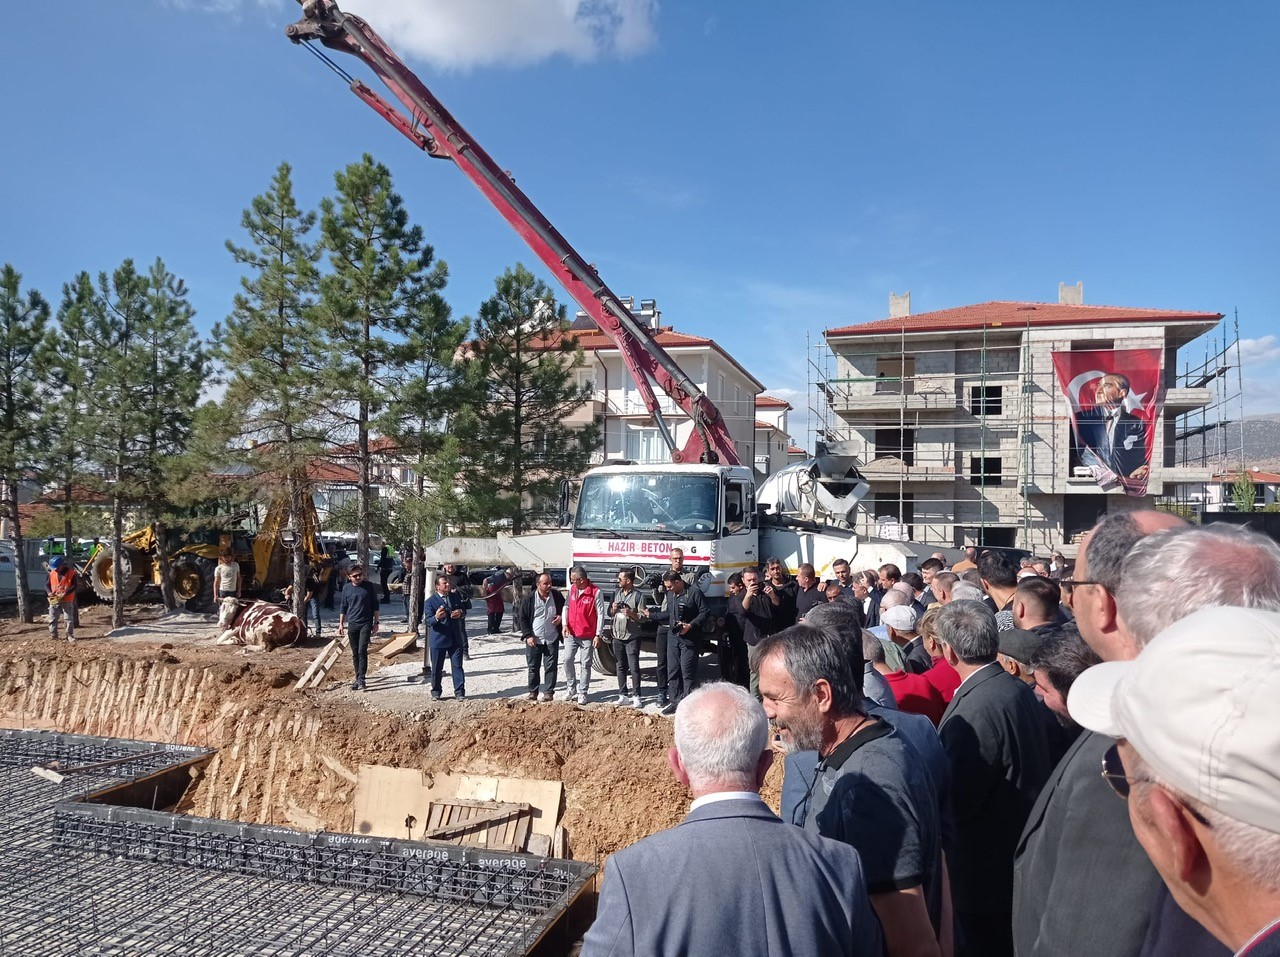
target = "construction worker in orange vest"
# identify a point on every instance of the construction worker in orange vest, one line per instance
(62, 596)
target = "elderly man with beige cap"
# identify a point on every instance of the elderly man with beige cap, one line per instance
(1197, 718)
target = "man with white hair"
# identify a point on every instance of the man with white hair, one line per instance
(1078, 853)
(777, 890)
(1197, 757)
(964, 591)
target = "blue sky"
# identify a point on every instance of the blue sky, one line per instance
(763, 170)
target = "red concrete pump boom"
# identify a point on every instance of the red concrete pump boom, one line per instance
(432, 128)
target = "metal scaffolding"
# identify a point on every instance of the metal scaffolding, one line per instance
(981, 420)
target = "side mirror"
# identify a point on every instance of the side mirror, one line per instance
(563, 503)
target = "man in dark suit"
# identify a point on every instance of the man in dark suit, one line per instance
(1081, 881)
(1111, 436)
(995, 738)
(760, 887)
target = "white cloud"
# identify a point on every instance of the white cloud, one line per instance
(459, 34)
(1256, 351)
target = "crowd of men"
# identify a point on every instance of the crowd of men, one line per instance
(1027, 759)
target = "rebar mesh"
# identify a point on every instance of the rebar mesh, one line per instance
(94, 879)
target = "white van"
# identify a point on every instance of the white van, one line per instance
(36, 571)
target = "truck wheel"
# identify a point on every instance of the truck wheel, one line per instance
(605, 663)
(193, 582)
(102, 573)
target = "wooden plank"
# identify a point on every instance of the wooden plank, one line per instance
(399, 644)
(521, 836)
(334, 657)
(384, 798)
(319, 668)
(484, 815)
(544, 796)
(559, 842)
(478, 787)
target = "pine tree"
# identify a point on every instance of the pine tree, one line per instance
(381, 275)
(176, 365)
(23, 323)
(434, 386)
(116, 325)
(528, 363)
(275, 415)
(67, 416)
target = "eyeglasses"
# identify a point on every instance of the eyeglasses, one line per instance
(1074, 582)
(1113, 773)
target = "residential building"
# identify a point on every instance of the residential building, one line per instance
(772, 440)
(964, 433)
(628, 430)
(1219, 494)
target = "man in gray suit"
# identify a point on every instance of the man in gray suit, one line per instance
(731, 876)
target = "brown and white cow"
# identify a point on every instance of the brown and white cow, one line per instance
(263, 626)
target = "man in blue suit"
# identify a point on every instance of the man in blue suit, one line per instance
(731, 878)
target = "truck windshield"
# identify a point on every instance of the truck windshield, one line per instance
(648, 503)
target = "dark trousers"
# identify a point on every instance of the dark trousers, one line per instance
(682, 665)
(734, 665)
(462, 630)
(495, 622)
(664, 633)
(359, 636)
(383, 575)
(984, 935)
(627, 655)
(544, 661)
(454, 656)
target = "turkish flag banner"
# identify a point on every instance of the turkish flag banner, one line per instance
(1115, 397)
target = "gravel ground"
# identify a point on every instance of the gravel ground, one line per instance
(497, 669)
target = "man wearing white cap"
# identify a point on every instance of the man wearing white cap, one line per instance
(901, 622)
(1196, 716)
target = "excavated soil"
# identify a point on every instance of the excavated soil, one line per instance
(290, 758)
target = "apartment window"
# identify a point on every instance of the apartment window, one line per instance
(985, 470)
(898, 443)
(896, 374)
(540, 446)
(644, 445)
(985, 400)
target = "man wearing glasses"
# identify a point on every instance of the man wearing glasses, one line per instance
(359, 616)
(1198, 760)
(1078, 854)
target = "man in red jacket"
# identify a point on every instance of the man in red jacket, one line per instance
(584, 611)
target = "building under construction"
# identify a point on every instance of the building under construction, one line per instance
(964, 432)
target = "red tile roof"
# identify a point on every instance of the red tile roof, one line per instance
(378, 444)
(1016, 315)
(1257, 476)
(771, 402)
(767, 425)
(594, 340)
(795, 450)
(318, 470)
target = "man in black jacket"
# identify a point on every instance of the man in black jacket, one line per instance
(540, 621)
(995, 738)
(683, 611)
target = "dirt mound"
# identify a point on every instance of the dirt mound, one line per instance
(286, 757)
